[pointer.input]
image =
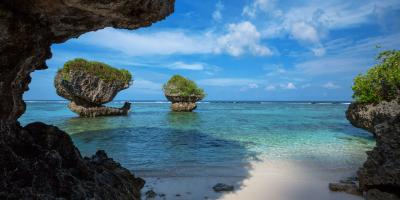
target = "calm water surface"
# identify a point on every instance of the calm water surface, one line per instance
(217, 134)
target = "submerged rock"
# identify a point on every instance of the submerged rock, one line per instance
(347, 186)
(221, 187)
(182, 93)
(379, 177)
(150, 194)
(42, 163)
(88, 89)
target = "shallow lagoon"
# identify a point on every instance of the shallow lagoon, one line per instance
(217, 134)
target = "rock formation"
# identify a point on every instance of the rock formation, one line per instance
(43, 164)
(222, 187)
(87, 91)
(182, 93)
(379, 177)
(95, 111)
(183, 104)
(367, 116)
(349, 185)
(27, 30)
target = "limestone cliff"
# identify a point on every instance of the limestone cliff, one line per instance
(39, 161)
(29, 27)
(379, 177)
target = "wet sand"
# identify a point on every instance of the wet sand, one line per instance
(261, 180)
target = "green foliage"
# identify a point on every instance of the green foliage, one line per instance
(179, 85)
(381, 82)
(101, 70)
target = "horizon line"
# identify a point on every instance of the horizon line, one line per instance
(205, 100)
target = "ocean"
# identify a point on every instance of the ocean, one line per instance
(216, 134)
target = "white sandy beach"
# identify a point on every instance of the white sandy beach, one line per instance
(273, 180)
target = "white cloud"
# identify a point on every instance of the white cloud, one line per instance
(274, 70)
(270, 87)
(304, 32)
(289, 86)
(319, 51)
(263, 5)
(179, 65)
(146, 85)
(284, 86)
(330, 85)
(217, 15)
(249, 86)
(238, 39)
(311, 21)
(242, 37)
(188, 66)
(156, 43)
(253, 85)
(347, 56)
(331, 65)
(365, 46)
(226, 82)
(249, 11)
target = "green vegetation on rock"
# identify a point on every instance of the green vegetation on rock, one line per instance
(101, 70)
(180, 86)
(381, 82)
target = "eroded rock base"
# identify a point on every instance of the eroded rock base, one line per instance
(97, 111)
(40, 162)
(183, 106)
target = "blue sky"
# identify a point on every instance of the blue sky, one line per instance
(242, 50)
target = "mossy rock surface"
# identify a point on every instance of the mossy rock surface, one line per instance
(180, 89)
(90, 83)
(101, 70)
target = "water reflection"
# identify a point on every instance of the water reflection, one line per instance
(185, 120)
(79, 124)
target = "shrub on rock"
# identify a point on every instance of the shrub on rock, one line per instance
(377, 110)
(381, 82)
(89, 84)
(183, 93)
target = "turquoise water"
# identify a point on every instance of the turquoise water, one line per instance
(216, 134)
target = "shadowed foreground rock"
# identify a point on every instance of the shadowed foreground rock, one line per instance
(39, 161)
(379, 177)
(42, 163)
